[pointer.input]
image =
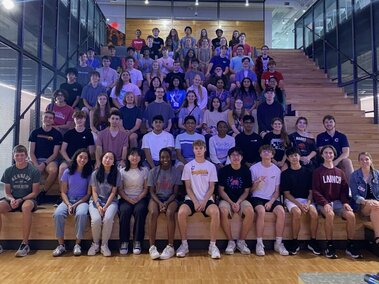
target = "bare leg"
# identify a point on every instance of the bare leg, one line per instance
(52, 171)
(184, 212)
(260, 222)
(329, 219)
(27, 208)
(314, 221)
(170, 214)
(296, 217)
(213, 212)
(280, 216)
(225, 224)
(247, 222)
(153, 219)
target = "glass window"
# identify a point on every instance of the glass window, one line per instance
(32, 17)
(360, 4)
(28, 94)
(299, 34)
(363, 41)
(49, 31)
(345, 10)
(8, 83)
(62, 34)
(9, 22)
(83, 20)
(308, 25)
(74, 27)
(47, 76)
(319, 19)
(331, 14)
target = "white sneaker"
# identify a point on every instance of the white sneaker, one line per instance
(1, 249)
(154, 254)
(182, 251)
(137, 248)
(168, 252)
(77, 250)
(280, 248)
(105, 251)
(260, 249)
(242, 247)
(230, 248)
(61, 249)
(214, 252)
(94, 249)
(23, 250)
(124, 248)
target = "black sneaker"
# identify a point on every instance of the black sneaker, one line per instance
(330, 252)
(294, 248)
(353, 251)
(313, 247)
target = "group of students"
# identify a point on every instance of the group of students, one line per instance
(249, 188)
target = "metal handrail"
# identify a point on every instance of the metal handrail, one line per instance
(352, 61)
(21, 116)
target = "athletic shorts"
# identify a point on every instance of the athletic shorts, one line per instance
(290, 204)
(336, 205)
(190, 204)
(19, 208)
(255, 201)
(244, 204)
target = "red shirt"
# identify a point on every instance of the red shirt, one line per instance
(246, 49)
(329, 185)
(62, 114)
(138, 43)
(267, 75)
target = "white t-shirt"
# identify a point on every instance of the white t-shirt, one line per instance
(163, 62)
(133, 181)
(155, 142)
(219, 147)
(125, 88)
(202, 100)
(271, 181)
(200, 175)
(135, 76)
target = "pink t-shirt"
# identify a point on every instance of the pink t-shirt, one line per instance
(62, 114)
(110, 143)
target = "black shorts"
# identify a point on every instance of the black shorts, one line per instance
(190, 204)
(19, 208)
(255, 201)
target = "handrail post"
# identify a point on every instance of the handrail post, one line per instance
(374, 63)
(355, 71)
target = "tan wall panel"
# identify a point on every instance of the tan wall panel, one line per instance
(253, 29)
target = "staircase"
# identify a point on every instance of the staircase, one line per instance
(313, 95)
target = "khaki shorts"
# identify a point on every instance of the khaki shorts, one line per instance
(244, 204)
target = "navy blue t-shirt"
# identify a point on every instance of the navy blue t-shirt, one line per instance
(338, 141)
(218, 60)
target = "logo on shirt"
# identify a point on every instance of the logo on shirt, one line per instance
(199, 172)
(336, 140)
(331, 179)
(50, 138)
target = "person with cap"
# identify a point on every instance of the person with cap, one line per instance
(91, 59)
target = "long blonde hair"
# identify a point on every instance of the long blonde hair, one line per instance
(372, 168)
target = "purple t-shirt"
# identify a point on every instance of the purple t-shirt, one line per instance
(76, 185)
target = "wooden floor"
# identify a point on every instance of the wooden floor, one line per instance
(198, 267)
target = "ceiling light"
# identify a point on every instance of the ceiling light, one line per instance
(197, 3)
(8, 4)
(146, 2)
(247, 3)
